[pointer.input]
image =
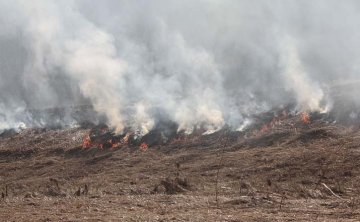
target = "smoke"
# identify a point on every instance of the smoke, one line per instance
(308, 94)
(198, 63)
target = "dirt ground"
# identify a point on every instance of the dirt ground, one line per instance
(286, 173)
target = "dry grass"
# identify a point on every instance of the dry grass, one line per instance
(278, 175)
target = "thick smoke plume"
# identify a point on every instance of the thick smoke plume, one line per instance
(202, 63)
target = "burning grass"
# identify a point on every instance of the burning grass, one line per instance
(293, 170)
(276, 123)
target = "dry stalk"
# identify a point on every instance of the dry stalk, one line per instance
(332, 192)
(282, 200)
(222, 138)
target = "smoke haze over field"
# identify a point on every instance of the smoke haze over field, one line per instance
(203, 62)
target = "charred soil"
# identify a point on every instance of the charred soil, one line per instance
(289, 171)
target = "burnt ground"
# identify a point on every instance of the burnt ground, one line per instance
(289, 172)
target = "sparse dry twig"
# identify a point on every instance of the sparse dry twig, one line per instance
(222, 137)
(332, 192)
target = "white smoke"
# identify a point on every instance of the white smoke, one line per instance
(308, 93)
(198, 63)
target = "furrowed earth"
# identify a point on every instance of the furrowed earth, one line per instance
(281, 170)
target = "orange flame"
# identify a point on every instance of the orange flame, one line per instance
(101, 146)
(113, 144)
(273, 122)
(124, 141)
(305, 118)
(87, 142)
(116, 145)
(144, 147)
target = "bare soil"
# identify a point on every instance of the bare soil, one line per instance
(290, 172)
